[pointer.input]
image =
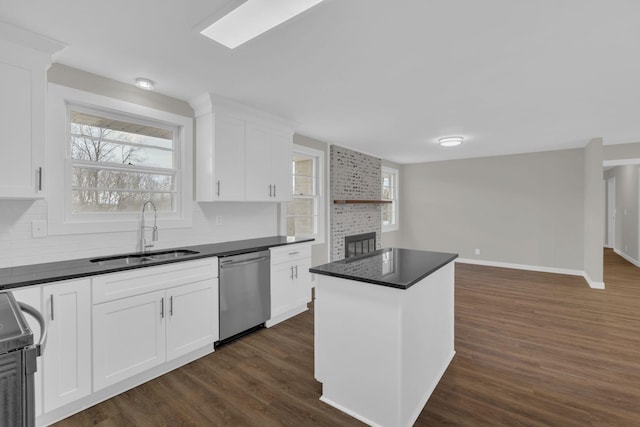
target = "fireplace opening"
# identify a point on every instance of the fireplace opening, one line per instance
(359, 244)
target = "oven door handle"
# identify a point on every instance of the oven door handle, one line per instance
(43, 326)
(229, 264)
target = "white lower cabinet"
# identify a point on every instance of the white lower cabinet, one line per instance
(138, 332)
(290, 281)
(128, 337)
(193, 317)
(67, 355)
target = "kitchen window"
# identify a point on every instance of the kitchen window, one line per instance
(119, 163)
(390, 192)
(305, 212)
(110, 156)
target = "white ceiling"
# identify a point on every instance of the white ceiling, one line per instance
(384, 77)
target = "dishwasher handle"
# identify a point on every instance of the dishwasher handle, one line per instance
(43, 326)
(229, 264)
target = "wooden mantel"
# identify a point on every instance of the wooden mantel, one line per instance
(362, 202)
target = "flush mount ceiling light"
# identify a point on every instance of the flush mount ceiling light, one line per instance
(450, 141)
(252, 18)
(143, 83)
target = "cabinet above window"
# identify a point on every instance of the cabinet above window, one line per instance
(242, 154)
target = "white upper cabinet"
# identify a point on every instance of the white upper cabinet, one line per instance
(268, 163)
(241, 154)
(24, 59)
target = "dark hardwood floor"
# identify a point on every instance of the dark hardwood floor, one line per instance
(533, 349)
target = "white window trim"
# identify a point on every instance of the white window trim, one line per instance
(59, 167)
(322, 208)
(396, 191)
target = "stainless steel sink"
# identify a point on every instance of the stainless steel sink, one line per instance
(178, 253)
(123, 260)
(135, 259)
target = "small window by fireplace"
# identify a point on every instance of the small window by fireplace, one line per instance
(359, 244)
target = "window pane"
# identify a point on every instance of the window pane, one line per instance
(302, 165)
(387, 211)
(121, 130)
(387, 186)
(297, 225)
(87, 201)
(298, 207)
(100, 178)
(102, 139)
(95, 148)
(303, 185)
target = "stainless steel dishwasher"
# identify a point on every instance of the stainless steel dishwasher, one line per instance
(245, 293)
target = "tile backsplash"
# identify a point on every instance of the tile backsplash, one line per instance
(18, 247)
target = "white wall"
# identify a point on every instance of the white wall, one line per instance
(525, 209)
(17, 247)
(594, 213)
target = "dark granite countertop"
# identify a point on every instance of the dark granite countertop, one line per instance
(392, 267)
(25, 275)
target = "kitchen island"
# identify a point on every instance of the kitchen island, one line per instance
(384, 332)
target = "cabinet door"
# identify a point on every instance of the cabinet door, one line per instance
(67, 356)
(32, 296)
(259, 184)
(128, 337)
(282, 288)
(22, 85)
(229, 154)
(302, 282)
(192, 317)
(281, 153)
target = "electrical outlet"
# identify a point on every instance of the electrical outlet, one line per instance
(477, 251)
(218, 220)
(38, 229)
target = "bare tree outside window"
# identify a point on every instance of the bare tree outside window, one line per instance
(117, 165)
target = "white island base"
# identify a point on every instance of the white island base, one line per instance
(380, 351)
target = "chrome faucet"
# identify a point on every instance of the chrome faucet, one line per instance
(154, 233)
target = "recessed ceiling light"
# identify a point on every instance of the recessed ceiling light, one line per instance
(252, 18)
(143, 83)
(450, 141)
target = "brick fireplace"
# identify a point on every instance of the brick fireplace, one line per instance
(354, 176)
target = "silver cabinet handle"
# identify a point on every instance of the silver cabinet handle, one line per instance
(296, 271)
(274, 190)
(171, 305)
(270, 191)
(218, 188)
(40, 178)
(162, 308)
(51, 299)
(291, 277)
(294, 253)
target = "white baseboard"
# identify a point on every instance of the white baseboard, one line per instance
(522, 266)
(627, 257)
(591, 283)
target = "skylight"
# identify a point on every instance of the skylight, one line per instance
(252, 18)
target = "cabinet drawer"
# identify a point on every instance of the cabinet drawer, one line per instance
(288, 253)
(114, 286)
